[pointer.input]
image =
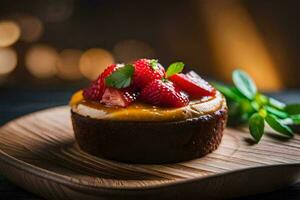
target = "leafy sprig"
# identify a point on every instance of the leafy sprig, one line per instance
(174, 68)
(247, 105)
(121, 78)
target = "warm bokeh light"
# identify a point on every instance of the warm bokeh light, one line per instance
(130, 50)
(94, 61)
(9, 33)
(41, 61)
(236, 42)
(31, 27)
(68, 64)
(8, 60)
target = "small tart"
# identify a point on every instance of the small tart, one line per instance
(142, 133)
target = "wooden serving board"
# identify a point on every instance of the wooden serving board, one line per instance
(38, 152)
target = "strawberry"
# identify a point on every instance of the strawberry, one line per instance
(193, 84)
(116, 97)
(95, 91)
(164, 93)
(145, 71)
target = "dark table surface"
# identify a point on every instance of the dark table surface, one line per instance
(17, 102)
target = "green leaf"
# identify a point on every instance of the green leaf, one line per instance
(255, 105)
(293, 109)
(262, 112)
(296, 119)
(229, 92)
(154, 64)
(246, 107)
(244, 84)
(121, 78)
(276, 104)
(278, 125)
(256, 126)
(276, 112)
(261, 99)
(174, 68)
(292, 120)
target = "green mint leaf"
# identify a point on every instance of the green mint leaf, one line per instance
(246, 107)
(174, 68)
(262, 112)
(296, 119)
(276, 112)
(154, 64)
(256, 126)
(244, 84)
(278, 125)
(121, 78)
(255, 106)
(293, 109)
(261, 99)
(230, 93)
(292, 120)
(276, 104)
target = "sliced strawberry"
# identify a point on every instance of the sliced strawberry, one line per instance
(95, 91)
(145, 71)
(164, 93)
(116, 97)
(193, 84)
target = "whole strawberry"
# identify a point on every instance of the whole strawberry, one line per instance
(96, 90)
(164, 93)
(145, 71)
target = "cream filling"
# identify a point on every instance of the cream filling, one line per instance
(138, 112)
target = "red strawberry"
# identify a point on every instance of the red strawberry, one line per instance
(95, 91)
(115, 97)
(164, 93)
(193, 84)
(145, 71)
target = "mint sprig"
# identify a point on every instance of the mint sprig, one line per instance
(244, 84)
(174, 68)
(247, 105)
(121, 78)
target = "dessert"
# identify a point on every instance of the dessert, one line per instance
(142, 113)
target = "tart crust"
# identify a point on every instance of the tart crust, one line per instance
(150, 141)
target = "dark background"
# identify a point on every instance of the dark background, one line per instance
(211, 36)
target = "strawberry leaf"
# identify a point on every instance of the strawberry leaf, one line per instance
(153, 64)
(121, 78)
(174, 68)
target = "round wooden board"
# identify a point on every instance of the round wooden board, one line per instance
(38, 152)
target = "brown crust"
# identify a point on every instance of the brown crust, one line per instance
(150, 142)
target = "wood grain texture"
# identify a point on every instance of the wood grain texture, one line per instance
(38, 152)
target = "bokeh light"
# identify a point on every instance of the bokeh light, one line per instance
(31, 27)
(94, 61)
(9, 33)
(41, 61)
(237, 43)
(68, 64)
(8, 60)
(130, 50)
